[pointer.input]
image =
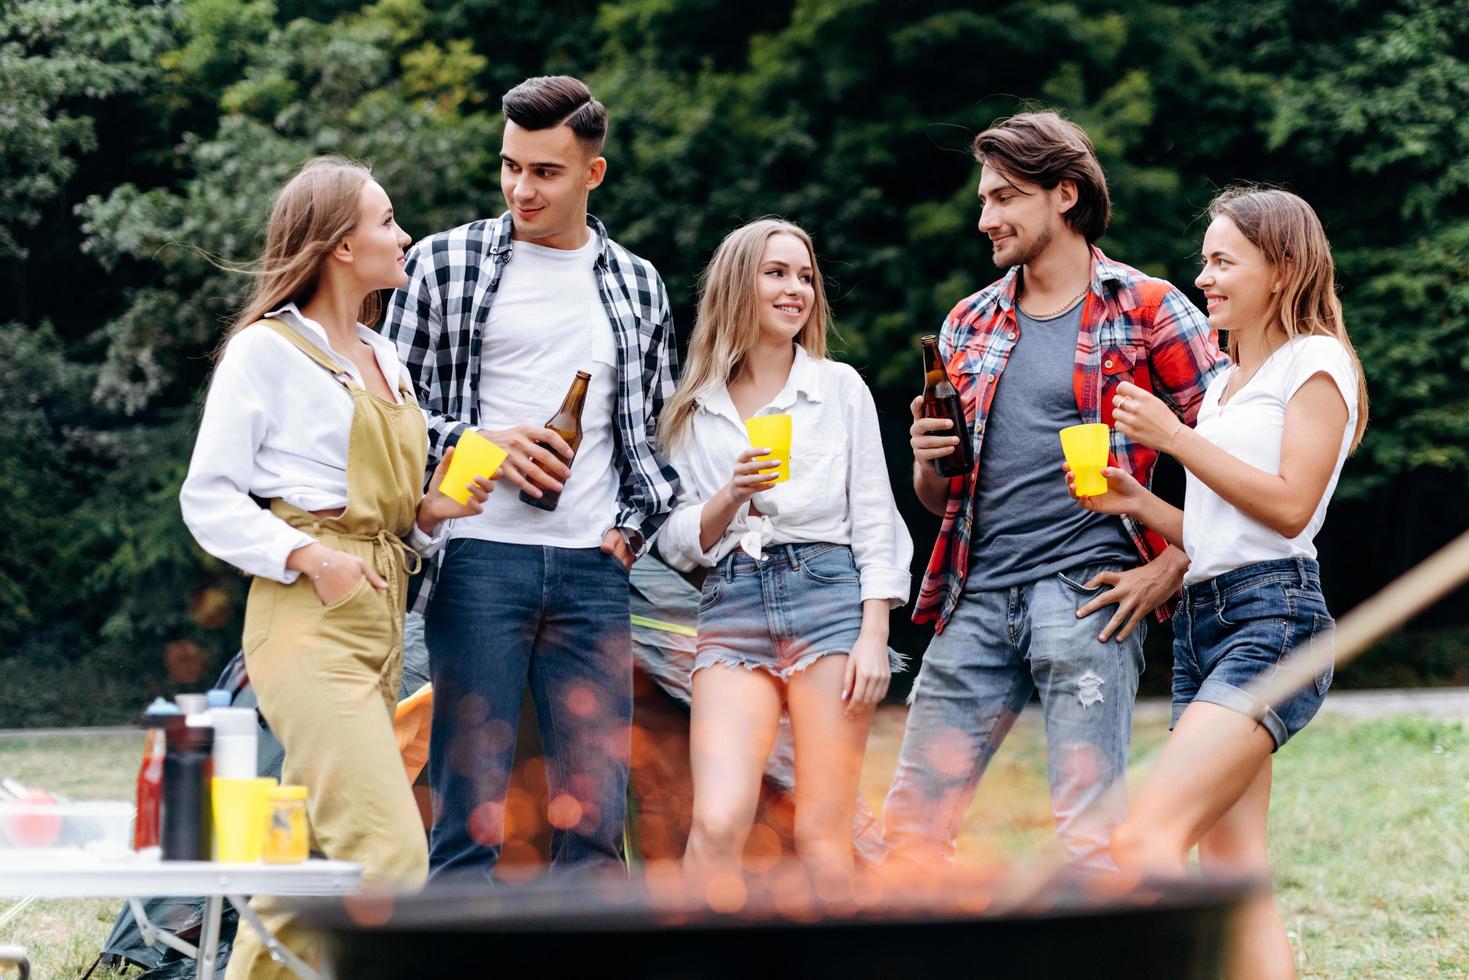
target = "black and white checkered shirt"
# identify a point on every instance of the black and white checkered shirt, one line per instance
(438, 322)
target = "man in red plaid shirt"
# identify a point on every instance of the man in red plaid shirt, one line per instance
(1027, 591)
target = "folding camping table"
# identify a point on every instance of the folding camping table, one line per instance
(75, 874)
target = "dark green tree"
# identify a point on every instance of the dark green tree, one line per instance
(141, 144)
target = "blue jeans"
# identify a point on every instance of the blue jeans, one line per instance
(1234, 629)
(800, 603)
(502, 614)
(976, 678)
(415, 655)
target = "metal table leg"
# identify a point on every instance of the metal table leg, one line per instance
(209, 937)
(273, 946)
(152, 934)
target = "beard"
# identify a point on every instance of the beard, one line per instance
(1023, 253)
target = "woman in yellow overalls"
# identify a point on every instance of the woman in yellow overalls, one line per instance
(310, 410)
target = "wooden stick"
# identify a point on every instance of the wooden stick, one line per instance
(1409, 594)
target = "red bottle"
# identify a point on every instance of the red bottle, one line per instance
(150, 774)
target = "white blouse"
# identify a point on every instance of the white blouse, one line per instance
(838, 491)
(276, 425)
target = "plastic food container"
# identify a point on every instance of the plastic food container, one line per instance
(285, 827)
(104, 827)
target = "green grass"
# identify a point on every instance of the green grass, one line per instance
(1370, 844)
(1369, 829)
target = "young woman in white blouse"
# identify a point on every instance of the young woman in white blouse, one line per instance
(309, 411)
(1262, 462)
(801, 574)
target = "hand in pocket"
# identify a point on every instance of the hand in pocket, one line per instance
(339, 574)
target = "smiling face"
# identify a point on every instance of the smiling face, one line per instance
(376, 243)
(546, 176)
(785, 288)
(1020, 218)
(1237, 280)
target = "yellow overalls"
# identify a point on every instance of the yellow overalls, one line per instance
(327, 676)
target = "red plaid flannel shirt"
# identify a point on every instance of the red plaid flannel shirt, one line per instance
(1133, 328)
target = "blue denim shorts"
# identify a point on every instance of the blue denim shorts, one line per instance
(1235, 628)
(781, 614)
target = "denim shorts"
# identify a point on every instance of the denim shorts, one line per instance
(780, 614)
(1234, 629)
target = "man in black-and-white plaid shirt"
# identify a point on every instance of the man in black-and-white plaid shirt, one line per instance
(519, 592)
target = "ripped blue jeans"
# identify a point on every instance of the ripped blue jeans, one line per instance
(976, 678)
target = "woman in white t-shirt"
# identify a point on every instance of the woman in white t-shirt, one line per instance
(801, 574)
(1262, 463)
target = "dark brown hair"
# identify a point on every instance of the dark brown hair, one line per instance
(548, 101)
(1043, 148)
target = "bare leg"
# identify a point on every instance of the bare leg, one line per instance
(1236, 843)
(829, 749)
(732, 725)
(1210, 760)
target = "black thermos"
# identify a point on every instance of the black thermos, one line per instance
(188, 769)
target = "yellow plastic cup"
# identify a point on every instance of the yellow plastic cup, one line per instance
(773, 432)
(1086, 447)
(474, 455)
(239, 824)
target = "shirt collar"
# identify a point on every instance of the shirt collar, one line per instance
(315, 333)
(716, 401)
(291, 313)
(1107, 277)
(804, 379)
(1005, 295)
(1105, 271)
(501, 241)
(1118, 280)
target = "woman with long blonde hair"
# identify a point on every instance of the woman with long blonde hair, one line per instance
(799, 574)
(1262, 462)
(310, 411)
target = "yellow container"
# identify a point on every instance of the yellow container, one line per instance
(286, 840)
(239, 817)
(1086, 447)
(474, 455)
(772, 432)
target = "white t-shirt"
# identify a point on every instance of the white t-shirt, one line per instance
(838, 492)
(547, 322)
(1216, 535)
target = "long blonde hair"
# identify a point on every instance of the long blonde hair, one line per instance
(316, 209)
(728, 322)
(1285, 229)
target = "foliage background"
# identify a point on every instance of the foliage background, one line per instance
(134, 136)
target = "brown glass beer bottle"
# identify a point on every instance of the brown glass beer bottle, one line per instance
(941, 401)
(566, 423)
